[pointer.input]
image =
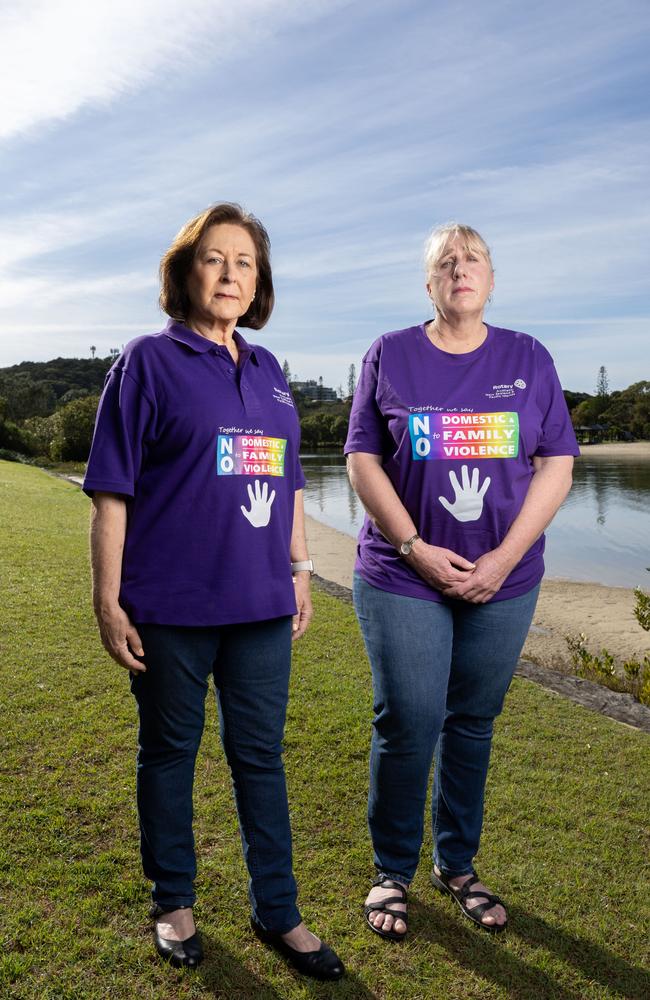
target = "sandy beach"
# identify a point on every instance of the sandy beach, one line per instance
(620, 449)
(604, 614)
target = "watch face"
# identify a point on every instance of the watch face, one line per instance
(405, 548)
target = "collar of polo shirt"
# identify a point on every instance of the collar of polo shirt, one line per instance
(178, 331)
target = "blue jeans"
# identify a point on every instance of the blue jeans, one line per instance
(250, 664)
(440, 675)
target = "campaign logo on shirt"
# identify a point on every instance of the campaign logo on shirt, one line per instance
(438, 435)
(250, 455)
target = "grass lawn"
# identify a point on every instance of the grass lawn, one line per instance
(566, 833)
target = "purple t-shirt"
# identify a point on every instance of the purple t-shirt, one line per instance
(457, 434)
(206, 453)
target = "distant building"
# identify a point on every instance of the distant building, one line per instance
(318, 393)
(591, 433)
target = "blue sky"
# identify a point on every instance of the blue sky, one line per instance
(350, 129)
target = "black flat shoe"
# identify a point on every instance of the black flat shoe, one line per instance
(321, 964)
(188, 952)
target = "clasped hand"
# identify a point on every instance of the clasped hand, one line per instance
(456, 577)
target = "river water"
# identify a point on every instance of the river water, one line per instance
(601, 534)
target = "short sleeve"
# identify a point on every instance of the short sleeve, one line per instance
(558, 437)
(366, 430)
(124, 419)
(299, 475)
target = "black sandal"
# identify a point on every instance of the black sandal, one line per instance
(464, 893)
(385, 907)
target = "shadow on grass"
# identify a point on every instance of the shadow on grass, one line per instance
(226, 976)
(482, 953)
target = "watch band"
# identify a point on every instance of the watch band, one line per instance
(302, 566)
(405, 547)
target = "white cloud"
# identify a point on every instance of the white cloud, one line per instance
(39, 293)
(58, 56)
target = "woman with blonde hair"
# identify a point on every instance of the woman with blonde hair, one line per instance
(460, 448)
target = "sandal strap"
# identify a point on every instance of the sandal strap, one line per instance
(389, 883)
(481, 908)
(385, 907)
(467, 892)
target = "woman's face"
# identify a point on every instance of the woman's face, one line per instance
(221, 283)
(461, 280)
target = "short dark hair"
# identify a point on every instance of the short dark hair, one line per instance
(177, 262)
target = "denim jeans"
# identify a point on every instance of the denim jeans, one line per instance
(250, 664)
(440, 675)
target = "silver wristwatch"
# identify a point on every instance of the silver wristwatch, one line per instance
(405, 547)
(305, 564)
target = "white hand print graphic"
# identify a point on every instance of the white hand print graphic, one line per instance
(260, 513)
(468, 498)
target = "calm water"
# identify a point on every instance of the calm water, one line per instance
(600, 534)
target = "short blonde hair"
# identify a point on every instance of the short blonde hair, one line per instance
(437, 241)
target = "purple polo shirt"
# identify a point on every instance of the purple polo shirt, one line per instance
(206, 454)
(457, 434)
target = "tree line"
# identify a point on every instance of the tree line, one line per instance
(47, 410)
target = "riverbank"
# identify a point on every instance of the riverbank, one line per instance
(637, 450)
(604, 614)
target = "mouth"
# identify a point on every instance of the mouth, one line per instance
(222, 295)
(463, 289)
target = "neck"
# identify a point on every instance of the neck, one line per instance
(218, 331)
(457, 335)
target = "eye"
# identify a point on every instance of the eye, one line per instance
(244, 263)
(214, 260)
(446, 263)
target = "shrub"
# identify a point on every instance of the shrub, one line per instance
(74, 430)
(635, 678)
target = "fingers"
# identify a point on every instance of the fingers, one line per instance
(251, 495)
(453, 479)
(272, 497)
(449, 507)
(134, 640)
(465, 478)
(300, 625)
(459, 561)
(246, 513)
(118, 648)
(483, 489)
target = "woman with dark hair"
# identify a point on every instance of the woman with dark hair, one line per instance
(200, 567)
(461, 448)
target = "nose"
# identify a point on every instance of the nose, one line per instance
(226, 272)
(459, 268)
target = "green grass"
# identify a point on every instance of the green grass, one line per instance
(566, 833)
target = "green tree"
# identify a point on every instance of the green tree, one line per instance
(628, 412)
(75, 431)
(352, 380)
(286, 371)
(602, 383)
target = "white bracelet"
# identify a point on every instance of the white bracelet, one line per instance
(301, 567)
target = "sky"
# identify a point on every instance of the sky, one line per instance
(350, 129)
